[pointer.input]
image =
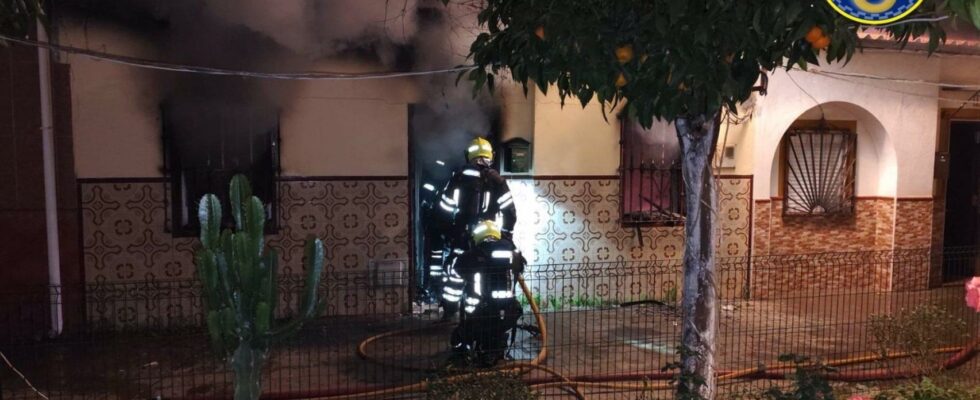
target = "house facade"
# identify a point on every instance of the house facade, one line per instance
(346, 170)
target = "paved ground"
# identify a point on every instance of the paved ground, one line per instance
(582, 341)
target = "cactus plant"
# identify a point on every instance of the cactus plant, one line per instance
(239, 280)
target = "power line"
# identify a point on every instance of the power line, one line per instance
(164, 66)
(853, 81)
(327, 75)
(892, 79)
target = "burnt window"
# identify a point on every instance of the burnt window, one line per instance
(819, 170)
(651, 187)
(205, 145)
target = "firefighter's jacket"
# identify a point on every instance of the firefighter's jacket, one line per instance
(474, 193)
(490, 270)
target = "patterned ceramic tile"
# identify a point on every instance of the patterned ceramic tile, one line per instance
(125, 236)
(577, 220)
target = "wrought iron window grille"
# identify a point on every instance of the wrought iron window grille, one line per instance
(651, 184)
(202, 150)
(819, 165)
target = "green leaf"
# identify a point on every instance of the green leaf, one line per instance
(584, 96)
(974, 15)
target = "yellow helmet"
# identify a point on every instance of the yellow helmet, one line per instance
(485, 229)
(479, 147)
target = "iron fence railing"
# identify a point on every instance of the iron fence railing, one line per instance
(604, 319)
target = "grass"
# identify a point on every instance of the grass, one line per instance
(558, 303)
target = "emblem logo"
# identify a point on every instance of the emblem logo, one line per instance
(875, 12)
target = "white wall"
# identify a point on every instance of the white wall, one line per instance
(573, 140)
(876, 172)
(115, 108)
(328, 128)
(347, 128)
(360, 127)
(908, 114)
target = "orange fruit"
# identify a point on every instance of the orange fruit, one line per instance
(814, 34)
(539, 32)
(620, 80)
(624, 53)
(821, 43)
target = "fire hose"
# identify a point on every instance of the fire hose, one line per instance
(629, 381)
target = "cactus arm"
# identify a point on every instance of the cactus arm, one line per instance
(255, 220)
(310, 307)
(239, 192)
(208, 273)
(314, 268)
(209, 215)
(272, 271)
(240, 282)
(231, 275)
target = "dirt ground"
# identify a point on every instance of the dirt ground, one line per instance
(581, 342)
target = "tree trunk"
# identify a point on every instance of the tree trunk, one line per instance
(698, 137)
(246, 363)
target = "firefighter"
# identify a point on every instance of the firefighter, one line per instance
(434, 245)
(475, 192)
(490, 310)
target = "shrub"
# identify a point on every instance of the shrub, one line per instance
(918, 331)
(927, 389)
(808, 381)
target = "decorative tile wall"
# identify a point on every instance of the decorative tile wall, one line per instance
(577, 220)
(565, 222)
(125, 240)
(124, 235)
(573, 220)
(359, 221)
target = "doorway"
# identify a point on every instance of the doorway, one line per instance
(437, 141)
(961, 233)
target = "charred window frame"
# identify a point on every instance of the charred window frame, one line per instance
(650, 180)
(204, 146)
(819, 167)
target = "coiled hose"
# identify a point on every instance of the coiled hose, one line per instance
(522, 368)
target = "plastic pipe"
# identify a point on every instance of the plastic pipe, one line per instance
(50, 194)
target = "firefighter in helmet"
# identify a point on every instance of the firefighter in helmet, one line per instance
(490, 311)
(434, 250)
(474, 193)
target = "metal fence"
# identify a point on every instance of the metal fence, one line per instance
(608, 321)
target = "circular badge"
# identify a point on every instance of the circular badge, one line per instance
(875, 12)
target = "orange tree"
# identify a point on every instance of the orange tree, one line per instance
(682, 61)
(18, 16)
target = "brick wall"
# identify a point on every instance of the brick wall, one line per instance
(867, 229)
(878, 224)
(913, 230)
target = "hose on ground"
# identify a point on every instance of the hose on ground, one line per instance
(521, 368)
(629, 381)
